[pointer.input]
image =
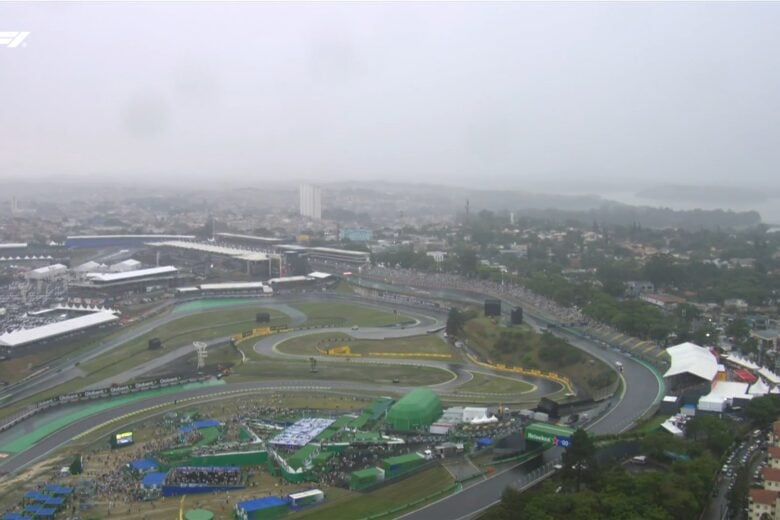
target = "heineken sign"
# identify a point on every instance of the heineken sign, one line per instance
(555, 440)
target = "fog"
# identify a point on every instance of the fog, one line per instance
(600, 98)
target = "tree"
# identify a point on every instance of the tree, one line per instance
(76, 467)
(763, 411)
(455, 322)
(714, 433)
(578, 460)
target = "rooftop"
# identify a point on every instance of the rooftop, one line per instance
(763, 496)
(22, 337)
(129, 275)
(692, 359)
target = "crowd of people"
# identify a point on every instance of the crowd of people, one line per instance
(209, 476)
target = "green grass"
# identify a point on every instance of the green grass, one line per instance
(382, 374)
(650, 425)
(177, 333)
(428, 344)
(346, 314)
(25, 441)
(349, 506)
(532, 350)
(486, 384)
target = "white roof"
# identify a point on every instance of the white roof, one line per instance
(759, 388)
(17, 245)
(241, 254)
(769, 375)
(128, 275)
(129, 263)
(289, 279)
(187, 289)
(150, 237)
(340, 251)
(743, 362)
(24, 336)
(692, 359)
(729, 389)
(320, 275)
(249, 237)
(670, 399)
(231, 285)
(304, 494)
(89, 266)
(672, 428)
(50, 269)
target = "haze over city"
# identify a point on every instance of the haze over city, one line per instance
(607, 99)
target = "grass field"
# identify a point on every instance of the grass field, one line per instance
(346, 314)
(381, 374)
(428, 344)
(350, 505)
(177, 333)
(486, 384)
(525, 348)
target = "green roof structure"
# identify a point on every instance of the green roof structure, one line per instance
(416, 410)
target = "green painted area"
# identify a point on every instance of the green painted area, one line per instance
(26, 441)
(217, 303)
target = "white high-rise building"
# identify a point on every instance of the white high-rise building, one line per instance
(311, 201)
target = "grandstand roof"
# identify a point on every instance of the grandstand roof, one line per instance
(284, 279)
(346, 252)
(241, 254)
(22, 337)
(319, 275)
(11, 245)
(151, 237)
(688, 358)
(129, 275)
(231, 286)
(250, 237)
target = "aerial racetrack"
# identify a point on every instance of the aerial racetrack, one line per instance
(324, 343)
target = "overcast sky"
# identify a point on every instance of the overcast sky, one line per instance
(521, 95)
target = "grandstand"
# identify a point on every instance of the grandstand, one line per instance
(232, 258)
(96, 241)
(51, 331)
(139, 280)
(328, 255)
(248, 240)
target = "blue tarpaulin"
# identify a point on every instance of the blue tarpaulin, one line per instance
(154, 479)
(260, 503)
(143, 465)
(199, 425)
(59, 490)
(36, 496)
(484, 441)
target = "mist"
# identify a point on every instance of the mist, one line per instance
(572, 97)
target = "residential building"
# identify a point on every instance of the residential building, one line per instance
(310, 201)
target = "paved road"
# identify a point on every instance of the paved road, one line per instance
(67, 369)
(641, 390)
(66, 434)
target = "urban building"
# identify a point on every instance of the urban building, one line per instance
(310, 201)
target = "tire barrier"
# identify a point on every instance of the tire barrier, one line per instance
(563, 380)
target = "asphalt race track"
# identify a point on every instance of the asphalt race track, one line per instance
(641, 390)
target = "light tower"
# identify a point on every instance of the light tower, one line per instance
(200, 350)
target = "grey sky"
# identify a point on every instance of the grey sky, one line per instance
(523, 95)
